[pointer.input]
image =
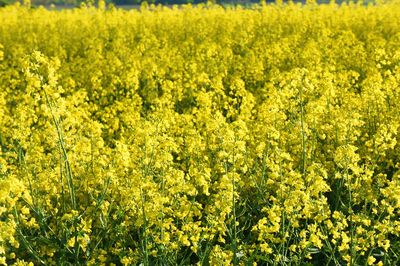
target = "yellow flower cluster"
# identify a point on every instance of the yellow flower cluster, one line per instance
(200, 135)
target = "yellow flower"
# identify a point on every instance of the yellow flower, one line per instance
(371, 260)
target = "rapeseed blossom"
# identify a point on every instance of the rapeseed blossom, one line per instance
(200, 135)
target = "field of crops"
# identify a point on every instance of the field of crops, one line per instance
(200, 135)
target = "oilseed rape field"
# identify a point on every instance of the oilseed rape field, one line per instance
(200, 135)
